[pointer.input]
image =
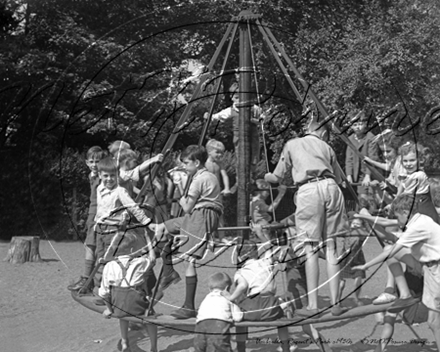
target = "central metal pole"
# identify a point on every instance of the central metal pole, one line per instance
(244, 107)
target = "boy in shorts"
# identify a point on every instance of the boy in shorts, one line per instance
(215, 317)
(93, 156)
(320, 214)
(203, 208)
(419, 248)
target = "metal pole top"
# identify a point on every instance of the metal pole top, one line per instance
(246, 15)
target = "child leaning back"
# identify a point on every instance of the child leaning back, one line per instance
(124, 288)
(203, 208)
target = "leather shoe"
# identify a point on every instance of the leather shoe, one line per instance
(184, 313)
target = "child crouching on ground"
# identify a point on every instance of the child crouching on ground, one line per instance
(418, 247)
(215, 316)
(123, 286)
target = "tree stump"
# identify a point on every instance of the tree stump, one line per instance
(23, 249)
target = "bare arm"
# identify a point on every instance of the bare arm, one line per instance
(281, 192)
(147, 163)
(225, 179)
(240, 289)
(386, 254)
(187, 203)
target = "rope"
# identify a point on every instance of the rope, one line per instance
(254, 70)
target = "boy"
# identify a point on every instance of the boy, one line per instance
(260, 209)
(114, 206)
(215, 316)
(123, 286)
(93, 156)
(320, 213)
(356, 170)
(215, 150)
(418, 247)
(203, 208)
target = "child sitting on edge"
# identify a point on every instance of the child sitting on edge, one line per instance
(203, 208)
(353, 242)
(260, 209)
(419, 248)
(216, 150)
(215, 317)
(94, 155)
(123, 286)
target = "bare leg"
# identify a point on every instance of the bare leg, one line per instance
(312, 275)
(341, 289)
(434, 325)
(123, 326)
(152, 332)
(333, 271)
(396, 270)
(387, 332)
(317, 338)
(357, 291)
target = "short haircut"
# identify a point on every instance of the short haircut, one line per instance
(118, 145)
(95, 152)
(124, 154)
(247, 250)
(434, 185)
(108, 164)
(214, 144)
(128, 164)
(404, 202)
(122, 242)
(219, 281)
(317, 126)
(195, 152)
(421, 152)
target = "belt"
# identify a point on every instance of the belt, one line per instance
(315, 179)
(432, 263)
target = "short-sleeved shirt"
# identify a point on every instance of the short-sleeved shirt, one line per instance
(422, 236)
(215, 306)
(205, 188)
(416, 183)
(308, 157)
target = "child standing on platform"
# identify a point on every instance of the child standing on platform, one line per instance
(124, 288)
(215, 317)
(320, 214)
(94, 155)
(363, 141)
(203, 208)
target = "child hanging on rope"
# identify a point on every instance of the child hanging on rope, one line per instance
(233, 112)
(215, 317)
(94, 155)
(320, 213)
(123, 286)
(202, 209)
(260, 210)
(419, 248)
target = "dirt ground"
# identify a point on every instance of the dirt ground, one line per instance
(37, 312)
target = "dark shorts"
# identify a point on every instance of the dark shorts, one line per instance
(212, 335)
(128, 302)
(91, 234)
(197, 228)
(261, 308)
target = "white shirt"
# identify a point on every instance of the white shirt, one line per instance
(259, 274)
(422, 237)
(113, 274)
(215, 306)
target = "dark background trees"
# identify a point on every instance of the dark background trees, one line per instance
(79, 73)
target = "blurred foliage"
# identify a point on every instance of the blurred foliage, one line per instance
(80, 73)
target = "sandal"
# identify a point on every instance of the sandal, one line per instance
(384, 298)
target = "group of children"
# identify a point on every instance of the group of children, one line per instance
(319, 221)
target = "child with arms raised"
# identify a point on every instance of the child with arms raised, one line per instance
(94, 155)
(124, 288)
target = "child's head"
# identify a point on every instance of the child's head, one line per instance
(404, 207)
(389, 147)
(247, 250)
(233, 89)
(194, 158)
(128, 163)
(263, 188)
(117, 146)
(123, 243)
(355, 223)
(359, 123)
(434, 185)
(219, 281)
(215, 149)
(108, 172)
(124, 154)
(93, 156)
(413, 156)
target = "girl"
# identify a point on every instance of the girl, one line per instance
(413, 157)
